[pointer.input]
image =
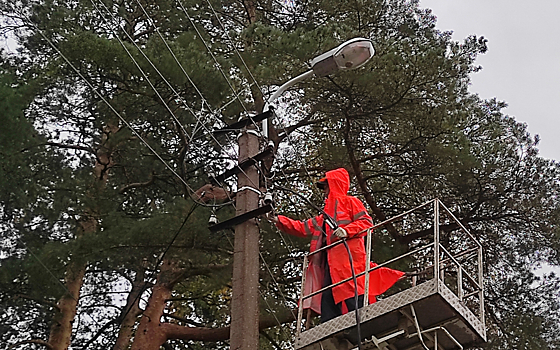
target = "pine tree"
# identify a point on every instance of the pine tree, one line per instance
(103, 235)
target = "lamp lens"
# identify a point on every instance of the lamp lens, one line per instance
(354, 55)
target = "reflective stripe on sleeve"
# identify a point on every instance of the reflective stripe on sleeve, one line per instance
(335, 209)
(316, 225)
(359, 215)
(307, 230)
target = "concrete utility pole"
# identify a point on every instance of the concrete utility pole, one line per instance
(244, 330)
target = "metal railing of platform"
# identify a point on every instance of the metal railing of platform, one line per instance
(450, 253)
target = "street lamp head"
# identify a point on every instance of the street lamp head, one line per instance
(350, 55)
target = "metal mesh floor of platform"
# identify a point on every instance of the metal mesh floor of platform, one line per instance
(440, 314)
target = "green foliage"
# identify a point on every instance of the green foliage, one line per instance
(79, 188)
(16, 135)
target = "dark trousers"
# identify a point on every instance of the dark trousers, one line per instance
(329, 309)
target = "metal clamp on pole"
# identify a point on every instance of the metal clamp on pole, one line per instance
(249, 188)
(243, 122)
(250, 131)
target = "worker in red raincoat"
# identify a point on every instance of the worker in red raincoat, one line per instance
(334, 266)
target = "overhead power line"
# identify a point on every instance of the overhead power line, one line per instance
(90, 85)
(218, 65)
(179, 97)
(235, 47)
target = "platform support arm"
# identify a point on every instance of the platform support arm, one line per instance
(418, 330)
(460, 282)
(481, 284)
(436, 240)
(368, 263)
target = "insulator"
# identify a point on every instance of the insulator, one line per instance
(213, 220)
(267, 198)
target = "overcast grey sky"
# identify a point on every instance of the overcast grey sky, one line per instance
(522, 65)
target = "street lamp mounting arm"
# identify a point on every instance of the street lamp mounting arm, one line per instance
(289, 84)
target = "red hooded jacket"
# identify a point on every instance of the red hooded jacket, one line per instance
(350, 214)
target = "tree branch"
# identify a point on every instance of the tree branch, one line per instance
(304, 122)
(272, 341)
(62, 145)
(138, 184)
(32, 341)
(99, 333)
(37, 300)
(356, 167)
(422, 233)
(174, 331)
(198, 270)
(76, 147)
(184, 320)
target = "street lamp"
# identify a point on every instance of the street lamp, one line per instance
(351, 54)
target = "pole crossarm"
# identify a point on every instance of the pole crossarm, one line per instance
(239, 219)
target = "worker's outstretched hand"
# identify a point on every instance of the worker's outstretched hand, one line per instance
(340, 233)
(273, 218)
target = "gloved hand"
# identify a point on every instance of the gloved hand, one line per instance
(340, 233)
(272, 218)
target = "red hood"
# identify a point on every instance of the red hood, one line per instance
(339, 182)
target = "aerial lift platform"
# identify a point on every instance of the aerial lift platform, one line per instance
(441, 307)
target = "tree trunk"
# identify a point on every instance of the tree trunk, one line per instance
(61, 328)
(130, 313)
(151, 334)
